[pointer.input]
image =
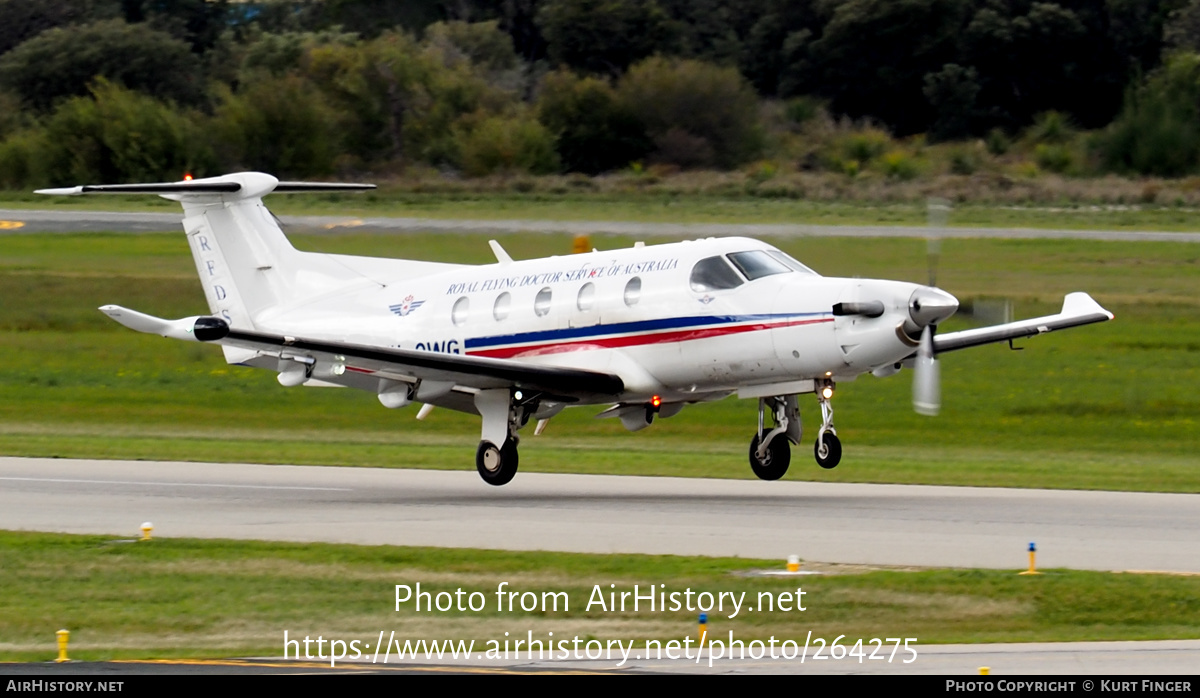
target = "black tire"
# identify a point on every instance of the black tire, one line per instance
(779, 456)
(833, 451)
(497, 466)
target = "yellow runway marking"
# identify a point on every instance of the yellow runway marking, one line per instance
(11, 225)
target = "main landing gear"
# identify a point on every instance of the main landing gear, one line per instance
(504, 412)
(771, 451)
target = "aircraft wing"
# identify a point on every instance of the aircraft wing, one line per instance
(1078, 309)
(360, 366)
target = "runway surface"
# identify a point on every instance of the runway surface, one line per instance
(69, 221)
(837, 523)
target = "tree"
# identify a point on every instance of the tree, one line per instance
(63, 62)
(601, 36)
(595, 132)
(1158, 131)
(21, 20)
(873, 56)
(111, 135)
(279, 125)
(697, 114)
(952, 92)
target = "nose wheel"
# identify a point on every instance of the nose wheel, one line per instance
(828, 448)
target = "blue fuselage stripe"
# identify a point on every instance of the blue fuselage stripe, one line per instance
(596, 331)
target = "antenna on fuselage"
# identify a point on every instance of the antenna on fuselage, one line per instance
(501, 256)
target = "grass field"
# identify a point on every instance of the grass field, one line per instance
(1111, 406)
(672, 208)
(180, 597)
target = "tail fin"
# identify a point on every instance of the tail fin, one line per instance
(245, 262)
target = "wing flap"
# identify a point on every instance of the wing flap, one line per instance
(1078, 309)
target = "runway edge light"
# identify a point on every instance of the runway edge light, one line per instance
(1032, 560)
(793, 563)
(147, 529)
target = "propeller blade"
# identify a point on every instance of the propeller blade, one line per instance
(927, 380)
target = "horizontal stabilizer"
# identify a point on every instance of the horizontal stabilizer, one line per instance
(193, 329)
(225, 184)
(192, 187)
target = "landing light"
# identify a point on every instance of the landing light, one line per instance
(827, 392)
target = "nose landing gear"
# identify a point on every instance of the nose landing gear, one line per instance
(828, 448)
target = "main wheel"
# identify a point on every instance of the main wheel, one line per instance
(831, 455)
(497, 466)
(779, 455)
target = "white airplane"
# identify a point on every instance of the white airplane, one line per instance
(645, 330)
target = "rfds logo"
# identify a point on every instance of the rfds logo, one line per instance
(406, 307)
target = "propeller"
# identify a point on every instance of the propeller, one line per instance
(938, 212)
(927, 377)
(926, 308)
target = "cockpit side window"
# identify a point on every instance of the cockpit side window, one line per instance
(756, 264)
(713, 274)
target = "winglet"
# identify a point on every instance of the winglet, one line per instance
(1080, 303)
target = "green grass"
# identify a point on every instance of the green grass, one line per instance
(657, 207)
(189, 598)
(1110, 406)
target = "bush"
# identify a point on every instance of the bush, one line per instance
(595, 132)
(800, 110)
(898, 164)
(1051, 127)
(115, 135)
(997, 142)
(507, 145)
(277, 125)
(1158, 131)
(963, 160)
(1053, 157)
(697, 114)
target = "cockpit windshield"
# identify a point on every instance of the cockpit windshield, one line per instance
(756, 264)
(791, 262)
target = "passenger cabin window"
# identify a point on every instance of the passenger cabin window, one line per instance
(756, 264)
(633, 291)
(713, 274)
(541, 304)
(461, 308)
(502, 306)
(587, 297)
